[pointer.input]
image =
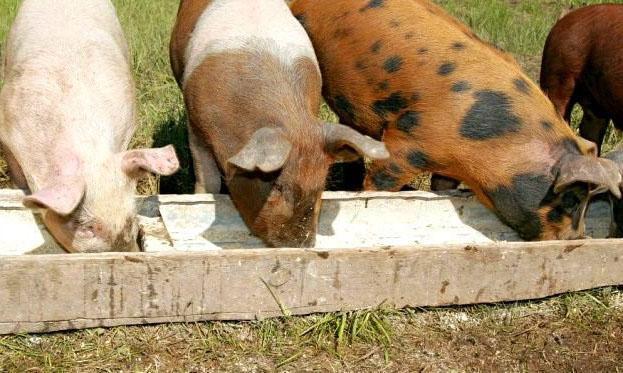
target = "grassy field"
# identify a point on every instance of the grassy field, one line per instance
(577, 332)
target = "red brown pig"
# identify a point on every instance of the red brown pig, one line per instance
(444, 101)
(583, 64)
(252, 87)
(67, 114)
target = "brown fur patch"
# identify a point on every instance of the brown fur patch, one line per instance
(188, 14)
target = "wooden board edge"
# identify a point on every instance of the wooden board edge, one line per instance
(232, 253)
(421, 276)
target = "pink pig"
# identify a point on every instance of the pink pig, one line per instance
(67, 114)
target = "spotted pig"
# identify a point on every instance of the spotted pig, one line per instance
(444, 101)
(252, 87)
(67, 115)
(583, 64)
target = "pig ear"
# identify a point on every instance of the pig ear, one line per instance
(587, 147)
(62, 198)
(161, 161)
(603, 173)
(339, 138)
(267, 150)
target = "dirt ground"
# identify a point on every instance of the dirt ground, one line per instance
(571, 333)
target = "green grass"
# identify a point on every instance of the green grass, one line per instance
(582, 332)
(519, 27)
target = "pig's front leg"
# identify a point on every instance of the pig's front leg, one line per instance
(440, 183)
(593, 127)
(207, 174)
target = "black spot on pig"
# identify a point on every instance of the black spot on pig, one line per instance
(419, 159)
(458, 46)
(361, 65)
(394, 23)
(522, 86)
(391, 104)
(517, 205)
(373, 4)
(384, 181)
(415, 97)
(555, 215)
(409, 35)
(461, 86)
(546, 124)
(407, 121)
(422, 50)
(383, 86)
(490, 116)
(393, 64)
(395, 168)
(446, 68)
(569, 201)
(344, 108)
(376, 47)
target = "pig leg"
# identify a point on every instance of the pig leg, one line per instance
(561, 95)
(207, 174)
(440, 183)
(15, 171)
(593, 127)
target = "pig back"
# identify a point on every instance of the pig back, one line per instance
(407, 72)
(68, 89)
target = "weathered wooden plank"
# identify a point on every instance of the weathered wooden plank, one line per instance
(58, 292)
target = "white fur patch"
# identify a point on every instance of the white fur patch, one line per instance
(227, 25)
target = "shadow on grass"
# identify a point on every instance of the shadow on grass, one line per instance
(174, 131)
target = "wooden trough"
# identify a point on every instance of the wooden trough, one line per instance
(200, 263)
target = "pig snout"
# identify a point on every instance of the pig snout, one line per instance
(296, 238)
(93, 237)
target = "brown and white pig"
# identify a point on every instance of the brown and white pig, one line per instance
(444, 101)
(252, 88)
(583, 64)
(67, 114)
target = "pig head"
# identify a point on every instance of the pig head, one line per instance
(90, 208)
(277, 179)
